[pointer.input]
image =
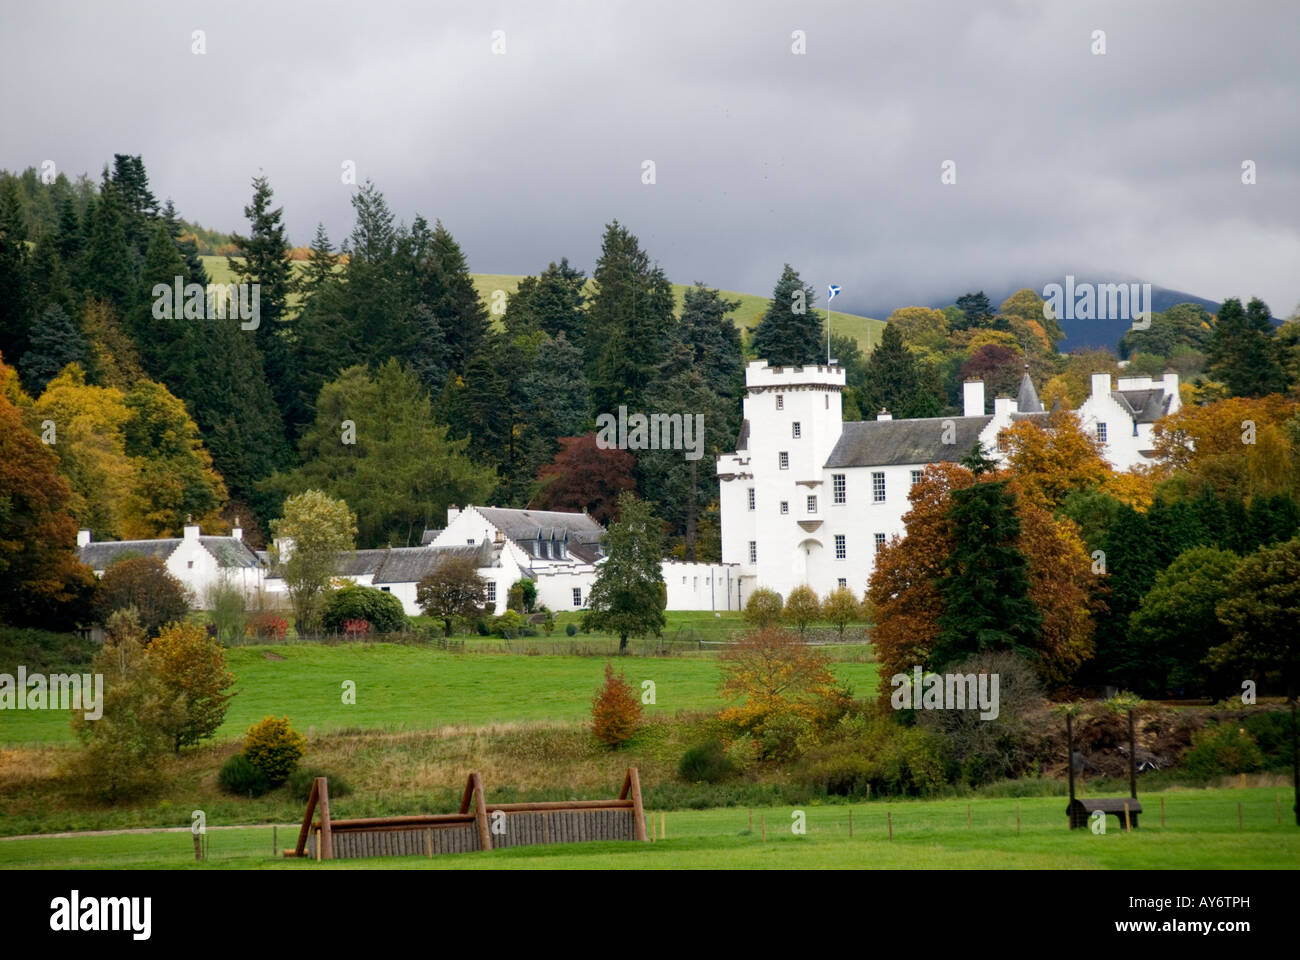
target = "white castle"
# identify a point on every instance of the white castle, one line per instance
(809, 499)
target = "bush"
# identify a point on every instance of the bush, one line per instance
(615, 710)
(482, 629)
(876, 753)
(238, 775)
(508, 625)
(381, 610)
(145, 584)
(743, 752)
(1222, 749)
(356, 628)
(300, 782)
(571, 630)
(265, 626)
(763, 608)
(274, 747)
(705, 763)
(1272, 732)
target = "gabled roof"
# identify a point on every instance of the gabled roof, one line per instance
(539, 524)
(413, 564)
(879, 443)
(429, 536)
(230, 552)
(359, 563)
(1144, 406)
(101, 556)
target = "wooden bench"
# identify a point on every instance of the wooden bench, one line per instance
(1081, 808)
(485, 827)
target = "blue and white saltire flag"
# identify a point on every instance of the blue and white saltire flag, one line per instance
(835, 291)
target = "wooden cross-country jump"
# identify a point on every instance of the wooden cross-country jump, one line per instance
(478, 825)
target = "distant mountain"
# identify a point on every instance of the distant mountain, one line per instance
(1079, 334)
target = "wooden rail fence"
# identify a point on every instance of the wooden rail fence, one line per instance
(478, 825)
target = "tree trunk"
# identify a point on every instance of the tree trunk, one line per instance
(1295, 757)
(622, 643)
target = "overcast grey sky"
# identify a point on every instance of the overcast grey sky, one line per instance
(1066, 161)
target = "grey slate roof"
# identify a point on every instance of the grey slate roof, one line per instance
(539, 524)
(230, 552)
(413, 564)
(1144, 406)
(881, 443)
(359, 563)
(100, 556)
(429, 536)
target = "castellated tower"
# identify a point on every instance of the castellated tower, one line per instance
(771, 495)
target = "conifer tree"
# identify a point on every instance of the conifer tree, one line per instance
(55, 343)
(262, 258)
(1243, 350)
(108, 269)
(790, 332)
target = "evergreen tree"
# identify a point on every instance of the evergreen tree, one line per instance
(262, 258)
(322, 261)
(185, 246)
(894, 381)
(448, 292)
(707, 329)
(1243, 350)
(55, 343)
(139, 207)
(108, 269)
(551, 302)
(985, 587)
(51, 284)
(16, 303)
(629, 595)
(976, 312)
(790, 332)
(629, 318)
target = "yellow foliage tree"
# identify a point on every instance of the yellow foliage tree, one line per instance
(1238, 447)
(192, 665)
(775, 675)
(1053, 459)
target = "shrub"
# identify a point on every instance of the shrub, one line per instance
(879, 753)
(742, 752)
(356, 628)
(616, 709)
(571, 630)
(381, 610)
(763, 608)
(300, 782)
(145, 584)
(274, 747)
(1222, 749)
(481, 628)
(1272, 732)
(238, 775)
(508, 625)
(267, 626)
(705, 763)
(801, 608)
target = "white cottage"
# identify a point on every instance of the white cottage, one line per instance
(197, 561)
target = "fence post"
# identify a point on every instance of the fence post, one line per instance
(850, 823)
(762, 820)
(1239, 815)
(275, 841)
(1162, 811)
(968, 816)
(1018, 817)
(1126, 823)
(889, 814)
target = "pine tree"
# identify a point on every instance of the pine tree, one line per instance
(322, 262)
(448, 291)
(629, 319)
(16, 303)
(185, 246)
(139, 207)
(893, 381)
(976, 312)
(551, 302)
(707, 328)
(1243, 350)
(985, 587)
(262, 258)
(55, 343)
(629, 595)
(790, 332)
(108, 268)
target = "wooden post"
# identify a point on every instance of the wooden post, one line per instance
(326, 838)
(850, 823)
(318, 845)
(890, 815)
(1126, 824)
(198, 847)
(275, 841)
(1069, 760)
(1132, 759)
(663, 825)
(651, 817)
(1279, 810)
(1018, 817)
(428, 841)
(301, 846)
(480, 812)
(968, 816)
(1239, 815)
(751, 821)
(632, 785)
(1162, 811)
(762, 820)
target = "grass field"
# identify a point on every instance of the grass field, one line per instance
(1201, 832)
(401, 687)
(863, 329)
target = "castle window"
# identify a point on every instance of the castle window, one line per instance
(1101, 432)
(491, 591)
(838, 487)
(812, 504)
(780, 402)
(794, 430)
(916, 476)
(785, 506)
(878, 487)
(843, 584)
(751, 498)
(753, 551)
(880, 540)
(783, 458)
(577, 596)
(841, 547)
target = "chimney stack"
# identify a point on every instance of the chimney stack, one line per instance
(1101, 384)
(453, 512)
(83, 537)
(973, 398)
(191, 529)
(237, 531)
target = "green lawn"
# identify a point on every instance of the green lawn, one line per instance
(403, 687)
(863, 329)
(1201, 832)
